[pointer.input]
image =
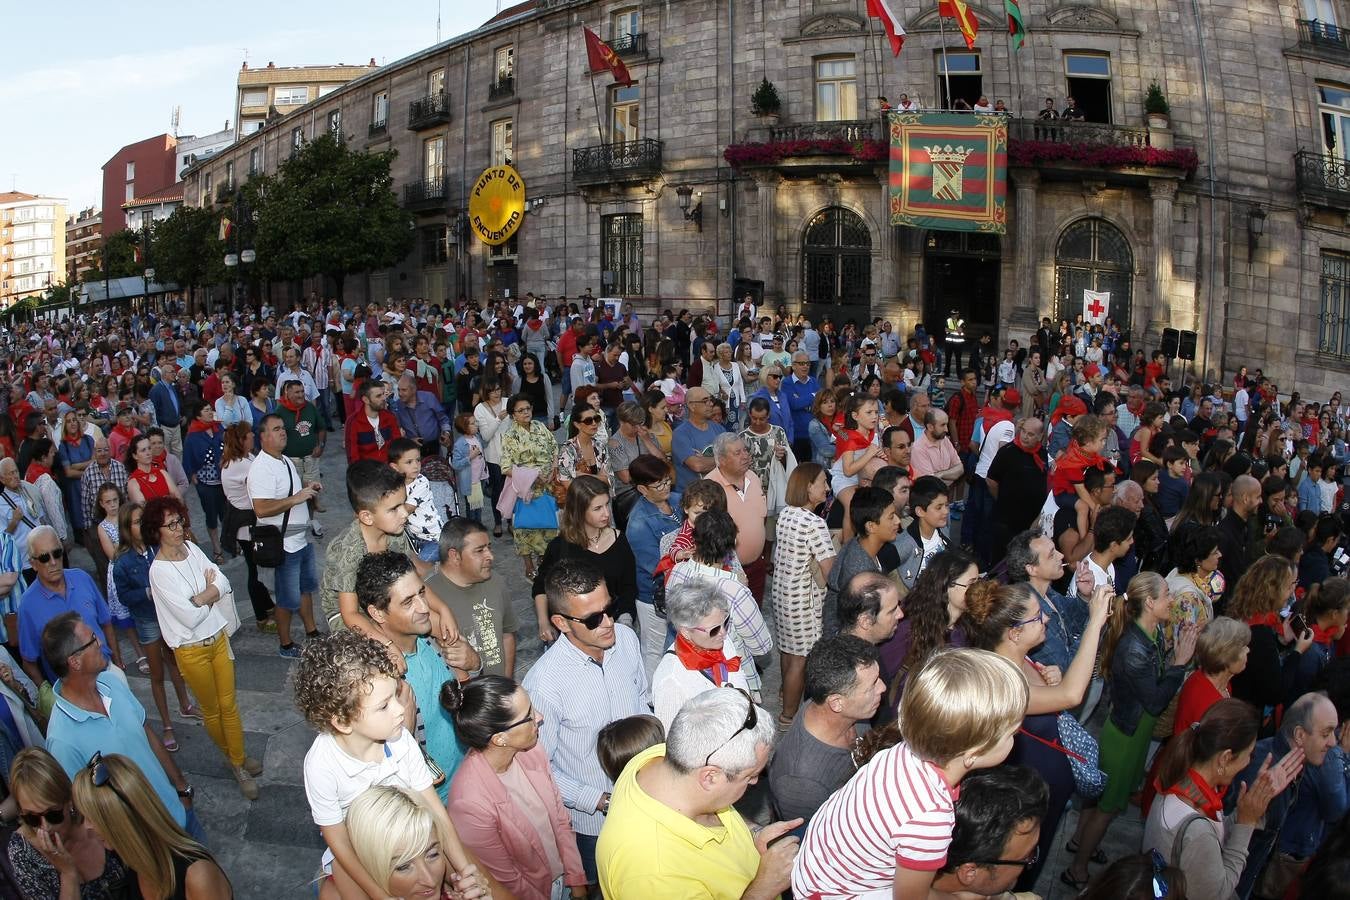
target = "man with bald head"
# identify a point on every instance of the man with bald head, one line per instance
(1237, 533)
(420, 415)
(933, 452)
(691, 444)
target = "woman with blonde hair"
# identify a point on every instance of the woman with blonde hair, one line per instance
(803, 555)
(55, 853)
(1143, 681)
(1260, 594)
(127, 815)
(399, 842)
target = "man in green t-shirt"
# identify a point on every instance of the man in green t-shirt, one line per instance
(305, 437)
(464, 582)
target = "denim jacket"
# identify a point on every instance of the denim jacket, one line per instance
(646, 526)
(131, 575)
(1141, 680)
(1068, 617)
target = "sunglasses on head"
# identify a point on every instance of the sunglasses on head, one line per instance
(58, 554)
(751, 720)
(102, 776)
(594, 620)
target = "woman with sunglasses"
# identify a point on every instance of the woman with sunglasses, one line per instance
(195, 607)
(586, 452)
(503, 800)
(56, 853)
(1009, 620)
(705, 654)
(127, 815)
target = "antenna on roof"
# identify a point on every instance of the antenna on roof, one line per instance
(438, 21)
(177, 115)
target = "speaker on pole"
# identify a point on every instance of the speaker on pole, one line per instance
(1186, 346)
(1170, 339)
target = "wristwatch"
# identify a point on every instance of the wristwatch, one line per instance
(187, 792)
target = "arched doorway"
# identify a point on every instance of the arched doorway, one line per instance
(960, 272)
(837, 265)
(1092, 254)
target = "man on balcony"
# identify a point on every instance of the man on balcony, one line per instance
(1049, 112)
(1071, 112)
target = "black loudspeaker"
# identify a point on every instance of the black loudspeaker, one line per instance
(1170, 338)
(1186, 347)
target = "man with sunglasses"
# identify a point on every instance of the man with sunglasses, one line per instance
(674, 831)
(591, 676)
(95, 712)
(58, 590)
(997, 833)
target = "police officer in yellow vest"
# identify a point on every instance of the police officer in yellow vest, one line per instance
(954, 337)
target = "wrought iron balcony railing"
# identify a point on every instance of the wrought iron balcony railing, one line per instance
(1322, 179)
(622, 161)
(1323, 36)
(425, 194)
(433, 109)
(378, 128)
(502, 88)
(630, 44)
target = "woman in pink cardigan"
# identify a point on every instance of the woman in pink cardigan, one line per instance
(503, 801)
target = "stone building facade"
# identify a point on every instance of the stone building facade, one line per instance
(1228, 221)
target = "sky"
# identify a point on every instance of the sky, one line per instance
(87, 79)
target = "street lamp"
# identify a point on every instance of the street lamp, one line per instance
(1256, 226)
(684, 193)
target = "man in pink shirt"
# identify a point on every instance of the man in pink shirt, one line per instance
(747, 505)
(933, 452)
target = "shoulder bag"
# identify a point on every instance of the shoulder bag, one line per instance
(1081, 749)
(269, 541)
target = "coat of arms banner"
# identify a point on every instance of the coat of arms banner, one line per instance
(949, 171)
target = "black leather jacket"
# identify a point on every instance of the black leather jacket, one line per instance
(1141, 680)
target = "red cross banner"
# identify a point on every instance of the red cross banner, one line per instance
(1095, 306)
(949, 171)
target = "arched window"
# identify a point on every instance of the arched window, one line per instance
(1093, 255)
(837, 259)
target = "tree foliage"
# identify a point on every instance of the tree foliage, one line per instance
(329, 211)
(120, 254)
(185, 248)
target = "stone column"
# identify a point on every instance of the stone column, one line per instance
(1163, 191)
(766, 184)
(885, 271)
(1023, 315)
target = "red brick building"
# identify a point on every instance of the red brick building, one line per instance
(134, 171)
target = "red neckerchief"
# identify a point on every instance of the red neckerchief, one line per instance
(1033, 452)
(1270, 620)
(126, 431)
(992, 415)
(197, 425)
(73, 441)
(712, 663)
(294, 409)
(1196, 791)
(35, 471)
(1323, 635)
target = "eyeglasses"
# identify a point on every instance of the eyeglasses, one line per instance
(1039, 617)
(517, 724)
(663, 485)
(523, 410)
(175, 525)
(1160, 889)
(85, 646)
(751, 720)
(102, 776)
(51, 816)
(594, 620)
(716, 630)
(588, 420)
(58, 554)
(773, 375)
(1031, 860)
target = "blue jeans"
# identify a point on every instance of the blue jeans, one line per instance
(586, 847)
(296, 576)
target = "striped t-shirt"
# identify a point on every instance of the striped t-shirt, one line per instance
(897, 811)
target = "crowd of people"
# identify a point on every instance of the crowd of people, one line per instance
(1068, 579)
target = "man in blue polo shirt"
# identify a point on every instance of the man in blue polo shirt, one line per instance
(95, 712)
(58, 590)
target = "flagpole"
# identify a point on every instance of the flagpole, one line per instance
(590, 75)
(946, 70)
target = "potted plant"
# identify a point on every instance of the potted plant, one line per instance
(1156, 109)
(765, 101)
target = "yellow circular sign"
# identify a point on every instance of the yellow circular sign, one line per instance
(497, 204)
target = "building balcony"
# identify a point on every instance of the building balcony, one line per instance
(1322, 180)
(503, 88)
(630, 45)
(843, 143)
(624, 161)
(431, 110)
(1086, 146)
(224, 192)
(1323, 39)
(378, 129)
(428, 194)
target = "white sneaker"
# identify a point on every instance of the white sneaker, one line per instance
(316, 528)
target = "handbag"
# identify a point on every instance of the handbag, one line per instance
(541, 512)
(269, 541)
(1081, 749)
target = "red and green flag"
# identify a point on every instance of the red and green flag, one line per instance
(1017, 30)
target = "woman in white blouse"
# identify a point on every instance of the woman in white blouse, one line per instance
(704, 656)
(195, 607)
(492, 419)
(230, 407)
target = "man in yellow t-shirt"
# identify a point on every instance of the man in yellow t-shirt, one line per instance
(671, 830)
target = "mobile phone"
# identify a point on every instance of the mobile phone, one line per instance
(1298, 624)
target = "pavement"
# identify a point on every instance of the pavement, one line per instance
(270, 848)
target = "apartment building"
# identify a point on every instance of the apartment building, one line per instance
(84, 241)
(32, 245)
(279, 90)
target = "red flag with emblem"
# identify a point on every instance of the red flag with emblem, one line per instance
(602, 57)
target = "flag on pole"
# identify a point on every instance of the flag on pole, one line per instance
(1017, 30)
(1095, 306)
(881, 9)
(601, 57)
(137, 254)
(226, 226)
(965, 19)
